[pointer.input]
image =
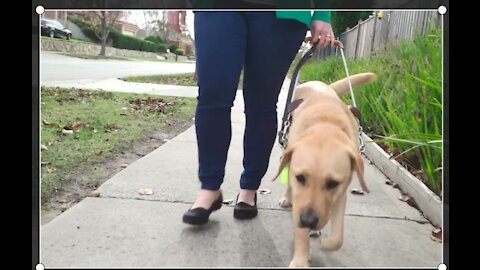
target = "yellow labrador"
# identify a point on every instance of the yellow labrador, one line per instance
(321, 155)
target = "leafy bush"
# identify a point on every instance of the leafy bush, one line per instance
(179, 51)
(154, 39)
(173, 48)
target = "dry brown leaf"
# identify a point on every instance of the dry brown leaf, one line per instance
(145, 191)
(43, 147)
(67, 131)
(78, 125)
(315, 233)
(94, 194)
(99, 153)
(436, 235)
(46, 122)
(228, 201)
(50, 170)
(264, 191)
(357, 192)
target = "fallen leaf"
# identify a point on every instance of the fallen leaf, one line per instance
(264, 191)
(67, 131)
(50, 170)
(395, 185)
(357, 192)
(124, 165)
(145, 191)
(315, 233)
(46, 122)
(43, 147)
(404, 198)
(94, 194)
(229, 201)
(436, 235)
(99, 153)
(78, 125)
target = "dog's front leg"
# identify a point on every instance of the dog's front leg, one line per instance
(301, 255)
(335, 240)
(286, 201)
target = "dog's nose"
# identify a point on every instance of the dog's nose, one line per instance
(308, 220)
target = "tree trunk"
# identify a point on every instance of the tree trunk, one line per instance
(104, 34)
(103, 48)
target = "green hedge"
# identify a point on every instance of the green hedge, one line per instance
(155, 39)
(85, 27)
(179, 51)
(119, 40)
(122, 41)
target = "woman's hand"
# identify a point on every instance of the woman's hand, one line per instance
(322, 31)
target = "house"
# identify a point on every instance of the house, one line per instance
(126, 28)
(177, 31)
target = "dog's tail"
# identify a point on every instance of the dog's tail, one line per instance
(341, 87)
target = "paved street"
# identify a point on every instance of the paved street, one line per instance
(55, 67)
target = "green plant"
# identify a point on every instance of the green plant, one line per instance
(402, 110)
(173, 48)
(179, 51)
(122, 41)
(85, 26)
(154, 39)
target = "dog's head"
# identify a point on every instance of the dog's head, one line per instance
(321, 165)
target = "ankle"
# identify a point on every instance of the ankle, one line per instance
(205, 198)
(247, 196)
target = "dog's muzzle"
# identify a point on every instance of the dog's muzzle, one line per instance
(309, 220)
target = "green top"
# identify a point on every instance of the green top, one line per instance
(304, 16)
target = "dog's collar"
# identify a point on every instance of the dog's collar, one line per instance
(294, 104)
(356, 113)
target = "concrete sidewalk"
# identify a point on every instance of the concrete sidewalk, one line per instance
(117, 85)
(124, 229)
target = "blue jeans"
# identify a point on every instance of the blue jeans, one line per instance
(226, 42)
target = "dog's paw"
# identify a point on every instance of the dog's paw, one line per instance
(300, 262)
(285, 203)
(329, 244)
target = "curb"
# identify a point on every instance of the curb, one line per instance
(428, 202)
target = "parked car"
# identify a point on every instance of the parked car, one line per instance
(54, 29)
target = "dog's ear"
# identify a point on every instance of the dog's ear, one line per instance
(357, 164)
(287, 156)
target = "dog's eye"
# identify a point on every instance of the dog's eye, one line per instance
(301, 178)
(331, 184)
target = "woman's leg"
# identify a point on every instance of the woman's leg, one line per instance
(220, 42)
(271, 47)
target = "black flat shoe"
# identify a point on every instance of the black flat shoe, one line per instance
(199, 215)
(244, 210)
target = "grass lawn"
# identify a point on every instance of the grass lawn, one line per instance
(185, 79)
(82, 128)
(402, 110)
(91, 56)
